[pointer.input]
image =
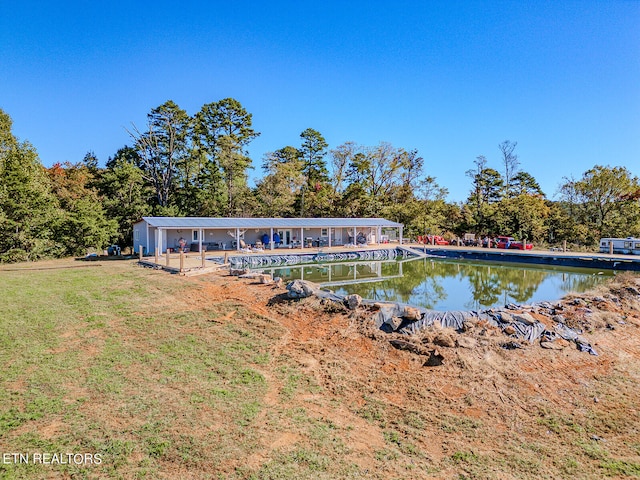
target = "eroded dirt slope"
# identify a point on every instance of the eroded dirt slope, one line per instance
(486, 412)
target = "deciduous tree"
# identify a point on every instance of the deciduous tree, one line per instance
(523, 217)
(124, 194)
(84, 224)
(28, 209)
(278, 189)
(602, 202)
(511, 165)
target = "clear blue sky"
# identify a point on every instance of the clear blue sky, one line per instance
(451, 79)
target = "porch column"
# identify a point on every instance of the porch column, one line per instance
(379, 238)
(400, 228)
(329, 230)
(200, 232)
(355, 242)
(159, 239)
(237, 239)
(147, 228)
(301, 237)
(271, 242)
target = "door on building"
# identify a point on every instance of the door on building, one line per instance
(285, 237)
(337, 236)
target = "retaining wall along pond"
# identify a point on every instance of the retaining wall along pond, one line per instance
(271, 260)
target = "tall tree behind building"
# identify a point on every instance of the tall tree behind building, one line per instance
(223, 129)
(161, 148)
(124, 194)
(314, 195)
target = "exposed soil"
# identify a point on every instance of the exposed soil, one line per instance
(534, 412)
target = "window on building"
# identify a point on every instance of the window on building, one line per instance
(324, 232)
(136, 235)
(194, 237)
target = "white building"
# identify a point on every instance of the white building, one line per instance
(194, 233)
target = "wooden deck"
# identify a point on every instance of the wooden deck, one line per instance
(192, 263)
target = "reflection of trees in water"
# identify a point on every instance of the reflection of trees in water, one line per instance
(422, 282)
(430, 293)
(580, 283)
(415, 286)
(489, 284)
(485, 285)
(520, 284)
(424, 292)
(430, 290)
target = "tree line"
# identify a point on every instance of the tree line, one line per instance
(198, 165)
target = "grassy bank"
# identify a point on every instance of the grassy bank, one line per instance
(116, 360)
(164, 377)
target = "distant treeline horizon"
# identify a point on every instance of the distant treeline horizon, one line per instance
(181, 165)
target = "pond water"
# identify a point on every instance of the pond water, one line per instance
(442, 284)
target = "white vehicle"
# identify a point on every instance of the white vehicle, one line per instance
(629, 245)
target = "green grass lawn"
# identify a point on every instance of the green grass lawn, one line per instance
(109, 360)
(147, 373)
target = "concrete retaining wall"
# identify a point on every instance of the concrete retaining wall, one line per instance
(264, 260)
(554, 259)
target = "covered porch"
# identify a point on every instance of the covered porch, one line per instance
(197, 234)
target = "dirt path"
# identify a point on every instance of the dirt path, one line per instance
(532, 405)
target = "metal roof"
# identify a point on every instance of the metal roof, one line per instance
(230, 222)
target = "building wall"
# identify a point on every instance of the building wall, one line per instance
(140, 237)
(219, 239)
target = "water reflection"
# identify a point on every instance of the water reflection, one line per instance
(447, 284)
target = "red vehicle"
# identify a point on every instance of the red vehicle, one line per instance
(509, 242)
(432, 240)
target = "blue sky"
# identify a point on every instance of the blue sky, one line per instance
(450, 79)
